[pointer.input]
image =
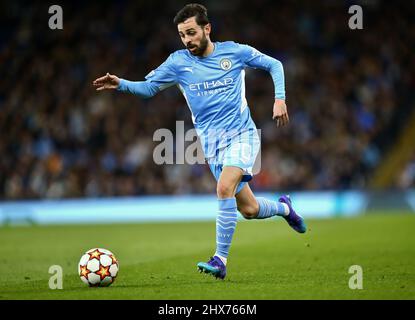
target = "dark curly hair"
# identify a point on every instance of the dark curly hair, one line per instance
(192, 10)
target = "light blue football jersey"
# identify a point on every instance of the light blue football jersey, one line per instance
(214, 88)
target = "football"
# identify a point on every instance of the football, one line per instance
(98, 267)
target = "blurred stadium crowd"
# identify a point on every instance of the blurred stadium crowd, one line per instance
(348, 94)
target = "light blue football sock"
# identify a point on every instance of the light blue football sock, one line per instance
(269, 208)
(225, 226)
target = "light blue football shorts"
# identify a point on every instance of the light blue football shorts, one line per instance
(241, 152)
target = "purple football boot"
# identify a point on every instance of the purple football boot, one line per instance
(294, 220)
(214, 266)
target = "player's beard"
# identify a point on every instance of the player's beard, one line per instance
(201, 48)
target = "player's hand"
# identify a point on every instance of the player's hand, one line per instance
(109, 81)
(280, 114)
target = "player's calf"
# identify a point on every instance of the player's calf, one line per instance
(249, 211)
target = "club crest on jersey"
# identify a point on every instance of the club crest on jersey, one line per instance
(225, 64)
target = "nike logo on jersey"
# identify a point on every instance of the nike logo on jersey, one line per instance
(188, 69)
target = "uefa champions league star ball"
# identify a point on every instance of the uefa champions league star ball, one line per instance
(98, 267)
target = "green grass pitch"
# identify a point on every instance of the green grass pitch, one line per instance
(267, 261)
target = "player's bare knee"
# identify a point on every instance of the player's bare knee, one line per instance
(225, 190)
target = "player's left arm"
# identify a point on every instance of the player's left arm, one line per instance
(255, 59)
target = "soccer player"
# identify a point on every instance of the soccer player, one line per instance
(210, 76)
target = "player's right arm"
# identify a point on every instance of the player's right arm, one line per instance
(144, 89)
(157, 80)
